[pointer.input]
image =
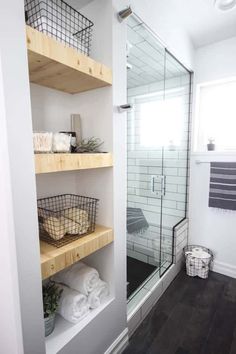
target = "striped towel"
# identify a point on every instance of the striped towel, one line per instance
(136, 221)
(223, 185)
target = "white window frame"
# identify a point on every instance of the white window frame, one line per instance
(197, 145)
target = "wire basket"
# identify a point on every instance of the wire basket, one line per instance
(59, 20)
(198, 260)
(65, 218)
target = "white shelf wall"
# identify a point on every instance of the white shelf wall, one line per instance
(27, 330)
(51, 111)
(109, 323)
(100, 118)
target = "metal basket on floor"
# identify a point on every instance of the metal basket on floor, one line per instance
(65, 218)
(198, 260)
(59, 20)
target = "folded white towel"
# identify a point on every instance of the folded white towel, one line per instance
(79, 277)
(98, 295)
(73, 306)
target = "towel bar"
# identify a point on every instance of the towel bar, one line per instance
(199, 162)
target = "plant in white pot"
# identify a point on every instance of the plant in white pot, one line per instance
(51, 297)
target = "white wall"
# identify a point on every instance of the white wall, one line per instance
(10, 325)
(211, 227)
(21, 234)
(215, 61)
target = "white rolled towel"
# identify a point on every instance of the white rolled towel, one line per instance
(79, 277)
(98, 295)
(73, 306)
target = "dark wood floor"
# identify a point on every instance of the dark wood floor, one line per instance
(194, 316)
(137, 273)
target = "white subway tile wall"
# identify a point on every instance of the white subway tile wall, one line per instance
(143, 163)
(180, 240)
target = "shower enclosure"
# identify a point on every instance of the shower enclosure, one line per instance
(158, 144)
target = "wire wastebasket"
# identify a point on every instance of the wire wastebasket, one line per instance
(61, 21)
(198, 260)
(65, 218)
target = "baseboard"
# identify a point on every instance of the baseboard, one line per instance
(119, 344)
(224, 268)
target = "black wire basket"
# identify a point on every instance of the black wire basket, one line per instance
(65, 218)
(59, 20)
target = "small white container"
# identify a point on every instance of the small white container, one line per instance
(61, 142)
(42, 142)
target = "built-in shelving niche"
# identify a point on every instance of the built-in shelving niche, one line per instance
(54, 66)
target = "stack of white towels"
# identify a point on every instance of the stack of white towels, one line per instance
(82, 290)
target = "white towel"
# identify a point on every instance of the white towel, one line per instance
(73, 306)
(98, 295)
(79, 277)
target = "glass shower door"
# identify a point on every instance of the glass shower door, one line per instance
(158, 130)
(175, 157)
(146, 84)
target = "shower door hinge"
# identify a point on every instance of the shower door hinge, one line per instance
(125, 108)
(158, 185)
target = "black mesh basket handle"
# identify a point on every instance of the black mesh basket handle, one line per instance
(61, 21)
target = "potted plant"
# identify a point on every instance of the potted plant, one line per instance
(51, 297)
(211, 145)
(90, 145)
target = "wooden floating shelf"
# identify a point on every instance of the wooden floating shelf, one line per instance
(55, 259)
(46, 163)
(54, 65)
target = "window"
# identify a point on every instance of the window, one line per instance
(216, 116)
(161, 121)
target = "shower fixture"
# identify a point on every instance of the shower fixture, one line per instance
(123, 14)
(225, 5)
(127, 107)
(129, 66)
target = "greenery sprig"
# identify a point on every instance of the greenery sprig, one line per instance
(89, 145)
(51, 296)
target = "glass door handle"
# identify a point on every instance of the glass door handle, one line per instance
(160, 180)
(163, 185)
(153, 184)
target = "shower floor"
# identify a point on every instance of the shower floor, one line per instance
(137, 273)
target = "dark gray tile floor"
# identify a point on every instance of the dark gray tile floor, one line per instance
(194, 316)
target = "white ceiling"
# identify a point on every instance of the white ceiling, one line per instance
(210, 25)
(199, 18)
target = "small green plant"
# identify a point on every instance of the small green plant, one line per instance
(89, 145)
(211, 140)
(51, 297)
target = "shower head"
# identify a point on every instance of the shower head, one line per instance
(129, 66)
(123, 14)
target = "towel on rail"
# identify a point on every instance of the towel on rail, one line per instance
(73, 306)
(136, 221)
(222, 193)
